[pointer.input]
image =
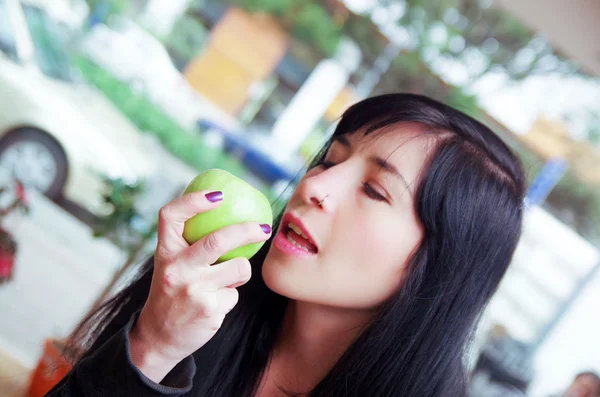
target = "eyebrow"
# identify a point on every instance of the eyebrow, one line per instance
(341, 140)
(379, 161)
(389, 168)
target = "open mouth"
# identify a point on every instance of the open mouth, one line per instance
(297, 237)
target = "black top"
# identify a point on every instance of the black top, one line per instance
(109, 371)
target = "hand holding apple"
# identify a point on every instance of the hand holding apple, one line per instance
(241, 203)
(190, 295)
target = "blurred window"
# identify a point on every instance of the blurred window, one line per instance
(7, 38)
(51, 54)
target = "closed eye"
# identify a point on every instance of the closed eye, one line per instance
(368, 190)
(326, 164)
(372, 193)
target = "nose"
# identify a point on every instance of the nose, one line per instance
(316, 197)
(319, 191)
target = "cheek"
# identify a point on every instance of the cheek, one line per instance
(388, 241)
(381, 248)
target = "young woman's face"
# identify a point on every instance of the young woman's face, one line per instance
(364, 229)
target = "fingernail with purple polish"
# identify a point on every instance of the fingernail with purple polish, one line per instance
(266, 228)
(213, 197)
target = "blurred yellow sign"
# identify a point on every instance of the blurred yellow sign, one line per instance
(243, 48)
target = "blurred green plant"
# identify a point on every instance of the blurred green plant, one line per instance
(149, 118)
(308, 20)
(125, 226)
(467, 32)
(474, 34)
(106, 8)
(187, 39)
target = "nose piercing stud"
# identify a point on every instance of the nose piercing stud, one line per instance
(322, 201)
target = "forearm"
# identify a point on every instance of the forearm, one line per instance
(110, 371)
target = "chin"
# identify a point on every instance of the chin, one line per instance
(274, 277)
(284, 279)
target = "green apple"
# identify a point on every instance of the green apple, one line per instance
(241, 203)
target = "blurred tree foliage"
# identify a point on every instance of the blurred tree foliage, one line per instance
(104, 8)
(186, 40)
(464, 33)
(467, 35)
(482, 37)
(308, 20)
(467, 32)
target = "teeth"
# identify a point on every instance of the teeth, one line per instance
(291, 240)
(297, 230)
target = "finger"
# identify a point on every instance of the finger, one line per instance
(235, 271)
(228, 298)
(215, 322)
(172, 218)
(208, 249)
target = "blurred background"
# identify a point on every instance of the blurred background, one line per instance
(108, 108)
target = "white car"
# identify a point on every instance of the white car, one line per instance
(69, 15)
(57, 134)
(137, 58)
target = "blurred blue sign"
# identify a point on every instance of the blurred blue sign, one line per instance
(257, 162)
(545, 181)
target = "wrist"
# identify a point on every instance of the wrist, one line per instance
(147, 357)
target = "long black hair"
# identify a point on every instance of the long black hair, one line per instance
(470, 204)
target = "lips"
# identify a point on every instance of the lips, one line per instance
(297, 234)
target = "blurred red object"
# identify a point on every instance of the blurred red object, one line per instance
(20, 191)
(7, 262)
(51, 368)
(8, 250)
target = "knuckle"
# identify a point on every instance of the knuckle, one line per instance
(188, 199)
(188, 291)
(243, 267)
(164, 213)
(211, 243)
(208, 308)
(170, 278)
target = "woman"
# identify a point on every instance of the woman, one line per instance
(371, 284)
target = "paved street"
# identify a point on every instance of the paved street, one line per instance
(13, 376)
(60, 270)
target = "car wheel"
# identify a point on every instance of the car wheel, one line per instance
(35, 159)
